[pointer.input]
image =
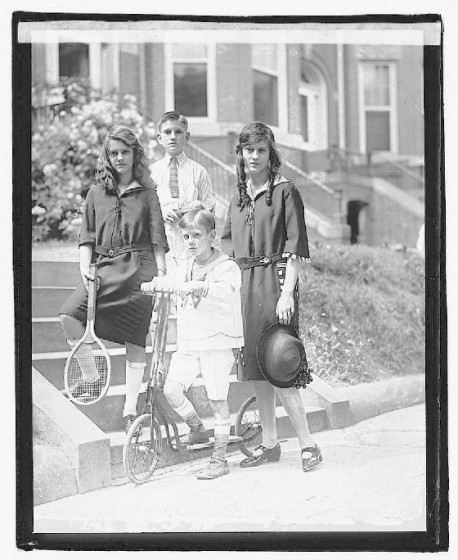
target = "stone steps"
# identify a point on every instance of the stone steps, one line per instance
(52, 282)
(107, 413)
(47, 300)
(48, 336)
(55, 273)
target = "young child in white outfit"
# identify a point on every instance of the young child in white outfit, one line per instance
(209, 327)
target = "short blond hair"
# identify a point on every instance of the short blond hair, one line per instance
(197, 217)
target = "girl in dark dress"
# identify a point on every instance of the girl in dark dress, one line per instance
(266, 219)
(123, 233)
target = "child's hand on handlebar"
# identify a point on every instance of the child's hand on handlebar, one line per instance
(157, 284)
(148, 288)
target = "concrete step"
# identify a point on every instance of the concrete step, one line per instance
(55, 273)
(107, 413)
(51, 364)
(48, 336)
(316, 418)
(47, 300)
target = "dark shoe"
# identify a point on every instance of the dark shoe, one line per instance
(195, 437)
(311, 457)
(129, 420)
(262, 454)
(216, 467)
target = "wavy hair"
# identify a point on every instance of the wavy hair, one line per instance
(106, 175)
(254, 133)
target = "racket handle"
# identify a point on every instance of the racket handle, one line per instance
(91, 293)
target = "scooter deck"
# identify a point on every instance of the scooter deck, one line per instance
(211, 442)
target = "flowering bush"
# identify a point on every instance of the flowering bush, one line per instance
(65, 148)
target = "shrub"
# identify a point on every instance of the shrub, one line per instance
(362, 308)
(65, 148)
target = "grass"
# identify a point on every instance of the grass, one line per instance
(363, 309)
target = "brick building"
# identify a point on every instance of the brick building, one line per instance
(346, 113)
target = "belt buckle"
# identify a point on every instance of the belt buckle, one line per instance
(265, 260)
(111, 252)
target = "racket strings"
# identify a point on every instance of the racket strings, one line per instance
(87, 373)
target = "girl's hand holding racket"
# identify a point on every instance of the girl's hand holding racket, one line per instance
(88, 277)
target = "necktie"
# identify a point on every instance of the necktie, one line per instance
(173, 181)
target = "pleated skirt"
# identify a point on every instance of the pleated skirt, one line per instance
(123, 313)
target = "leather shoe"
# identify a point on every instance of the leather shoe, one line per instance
(262, 454)
(216, 467)
(193, 438)
(311, 457)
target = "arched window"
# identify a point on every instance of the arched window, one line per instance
(313, 107)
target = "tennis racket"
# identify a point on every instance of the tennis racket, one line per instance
(88, 367)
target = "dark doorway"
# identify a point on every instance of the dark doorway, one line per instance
(356, 215)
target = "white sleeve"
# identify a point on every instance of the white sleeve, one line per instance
(223, 282)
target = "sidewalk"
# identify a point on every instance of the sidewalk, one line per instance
(372, 478)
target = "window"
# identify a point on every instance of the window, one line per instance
(378, 107)
(265, 98)
(190, 89)
(73, 60)
(304, 117)
(265, 83)
(190, 79)
(313, 107)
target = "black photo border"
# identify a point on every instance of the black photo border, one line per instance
(436, 536)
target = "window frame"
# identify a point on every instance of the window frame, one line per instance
(282, 85)
(210, 61)
(317, 96)
(391, 109)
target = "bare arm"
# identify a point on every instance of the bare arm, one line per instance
(285, 304)
(159, 255)
(85, 255)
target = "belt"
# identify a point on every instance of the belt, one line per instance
(114, 251)
(250, 262)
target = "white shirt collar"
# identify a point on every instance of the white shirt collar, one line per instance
(181, 158)
(251, 190)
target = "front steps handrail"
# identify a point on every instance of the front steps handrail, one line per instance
(211, 157)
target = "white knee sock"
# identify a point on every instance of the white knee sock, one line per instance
(222, 432)
(134, 377)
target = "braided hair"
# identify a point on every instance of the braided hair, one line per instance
(106, 175)
(254, 133)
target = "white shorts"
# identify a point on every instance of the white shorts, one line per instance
(214, 365)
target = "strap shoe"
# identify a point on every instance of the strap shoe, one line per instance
(262, 454)
(311, 457)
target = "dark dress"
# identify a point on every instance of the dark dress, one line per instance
(279, 228)
(123, 313)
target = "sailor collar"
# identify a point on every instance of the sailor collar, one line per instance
(253, 195)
